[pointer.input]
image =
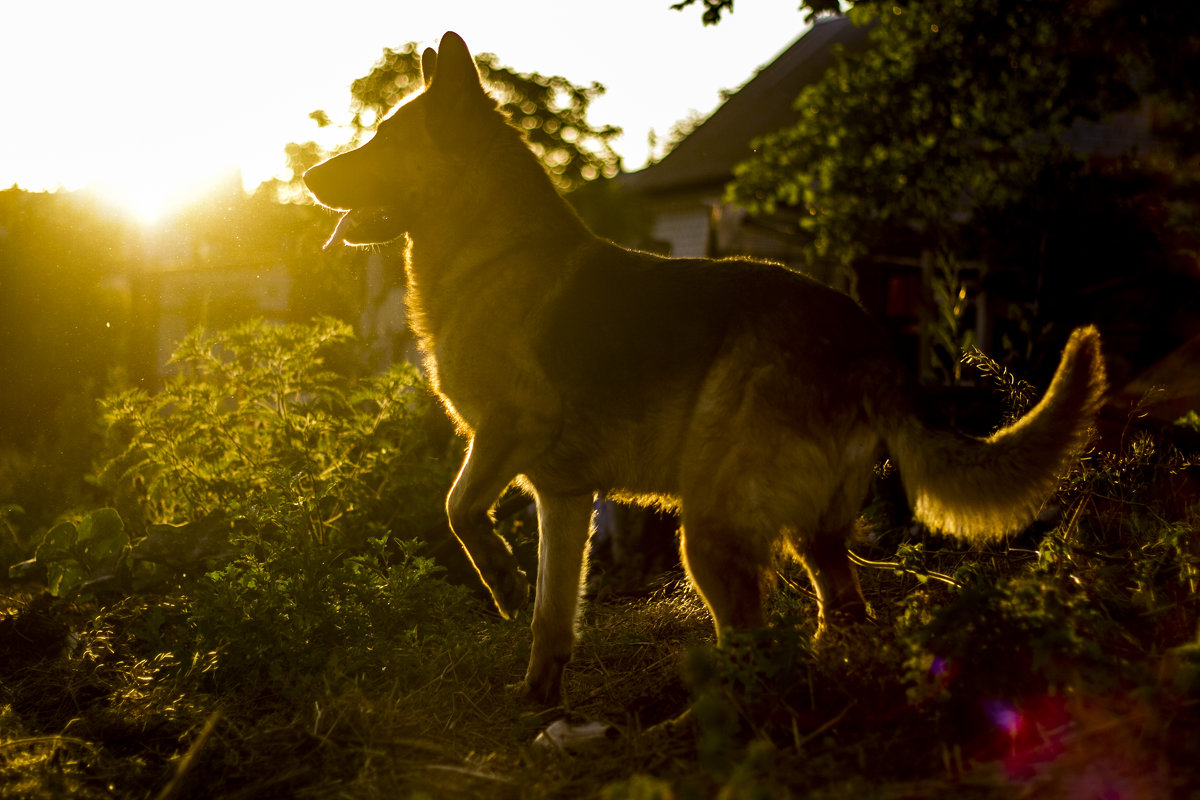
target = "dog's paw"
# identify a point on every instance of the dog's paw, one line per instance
(546, 691)
(841, 627)
(525, 693)
(544, 680)
(845, 616)
(510, 593)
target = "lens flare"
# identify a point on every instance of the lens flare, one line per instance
(1004, 716)
(150, 193)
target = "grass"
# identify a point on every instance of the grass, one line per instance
(1025, 707)
(318, 652)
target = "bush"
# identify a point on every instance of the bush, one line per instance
(257, 429)
(1056, 649)
(274, 501)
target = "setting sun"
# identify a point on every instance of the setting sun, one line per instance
(147, 102)
(153, 191)
(150, 192)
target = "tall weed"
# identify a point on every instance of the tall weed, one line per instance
(1006, 653)
(278, 500)
(257, 427)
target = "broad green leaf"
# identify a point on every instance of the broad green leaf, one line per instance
(23, 569)
(58, 544)
(102, 538)
(64, 576)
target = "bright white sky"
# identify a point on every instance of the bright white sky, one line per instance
(151, 98)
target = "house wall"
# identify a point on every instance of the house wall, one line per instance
(699, 225)
(214, 298)
(684, 231)
(383, 323)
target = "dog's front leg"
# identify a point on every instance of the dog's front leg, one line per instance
(490, 464)
(564, 525)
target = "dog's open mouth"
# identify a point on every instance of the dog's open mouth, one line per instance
(368, 225)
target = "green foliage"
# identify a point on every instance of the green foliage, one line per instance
(81, 291)
(550, 110)
(295, 617)
(1017, 393)
(713, 9)
(75, 554)
(257, 427)
(889, 136)
(954, 110)
(278, 498)
(1009, 638)
(948, 332)
(735, 684)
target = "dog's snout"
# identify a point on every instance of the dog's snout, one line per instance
(320, 184)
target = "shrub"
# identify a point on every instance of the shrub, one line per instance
(256, 428)
(278, 502)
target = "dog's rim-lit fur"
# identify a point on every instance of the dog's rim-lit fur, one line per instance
(752, 398)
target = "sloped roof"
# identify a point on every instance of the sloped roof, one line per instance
(1167, 390)
(763, 105)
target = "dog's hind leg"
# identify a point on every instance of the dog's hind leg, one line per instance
(490, 465)
(839, 598)
(726, 536)
(564, 525)
(729, 568)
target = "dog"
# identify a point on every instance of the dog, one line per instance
(752, 399)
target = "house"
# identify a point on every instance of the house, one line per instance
(684, 189)
(689, 218)
(683, 194)
(168, 304)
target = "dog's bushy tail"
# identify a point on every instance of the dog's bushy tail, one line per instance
(982, 488)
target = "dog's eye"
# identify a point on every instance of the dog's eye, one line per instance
(385, 131)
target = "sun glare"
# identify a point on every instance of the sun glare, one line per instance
(151, 194)
(147, 202)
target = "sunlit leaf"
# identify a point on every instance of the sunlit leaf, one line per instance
(58, 544)
(102, 538)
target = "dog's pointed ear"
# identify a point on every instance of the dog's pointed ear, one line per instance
(428, 65)
(455, 66)
(457, 99)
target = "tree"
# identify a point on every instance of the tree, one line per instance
(551, 110)
(955, 132)
(960, 107)
(62, 320)
(713, 9)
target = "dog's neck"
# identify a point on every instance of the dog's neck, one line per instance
(504, 205)
(504, 201)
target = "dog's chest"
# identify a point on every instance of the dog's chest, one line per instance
(484, 376)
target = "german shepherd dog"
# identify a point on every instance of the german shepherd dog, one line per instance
(749, 397)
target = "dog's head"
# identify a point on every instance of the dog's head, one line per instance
(382, 186)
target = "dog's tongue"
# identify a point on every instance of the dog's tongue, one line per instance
(365, 225)
(347, 223)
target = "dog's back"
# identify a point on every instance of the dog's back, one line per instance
(621, 320)
(753, 398)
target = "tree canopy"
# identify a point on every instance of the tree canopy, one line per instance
(551, 110)
(956, 108)
(713, 9)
